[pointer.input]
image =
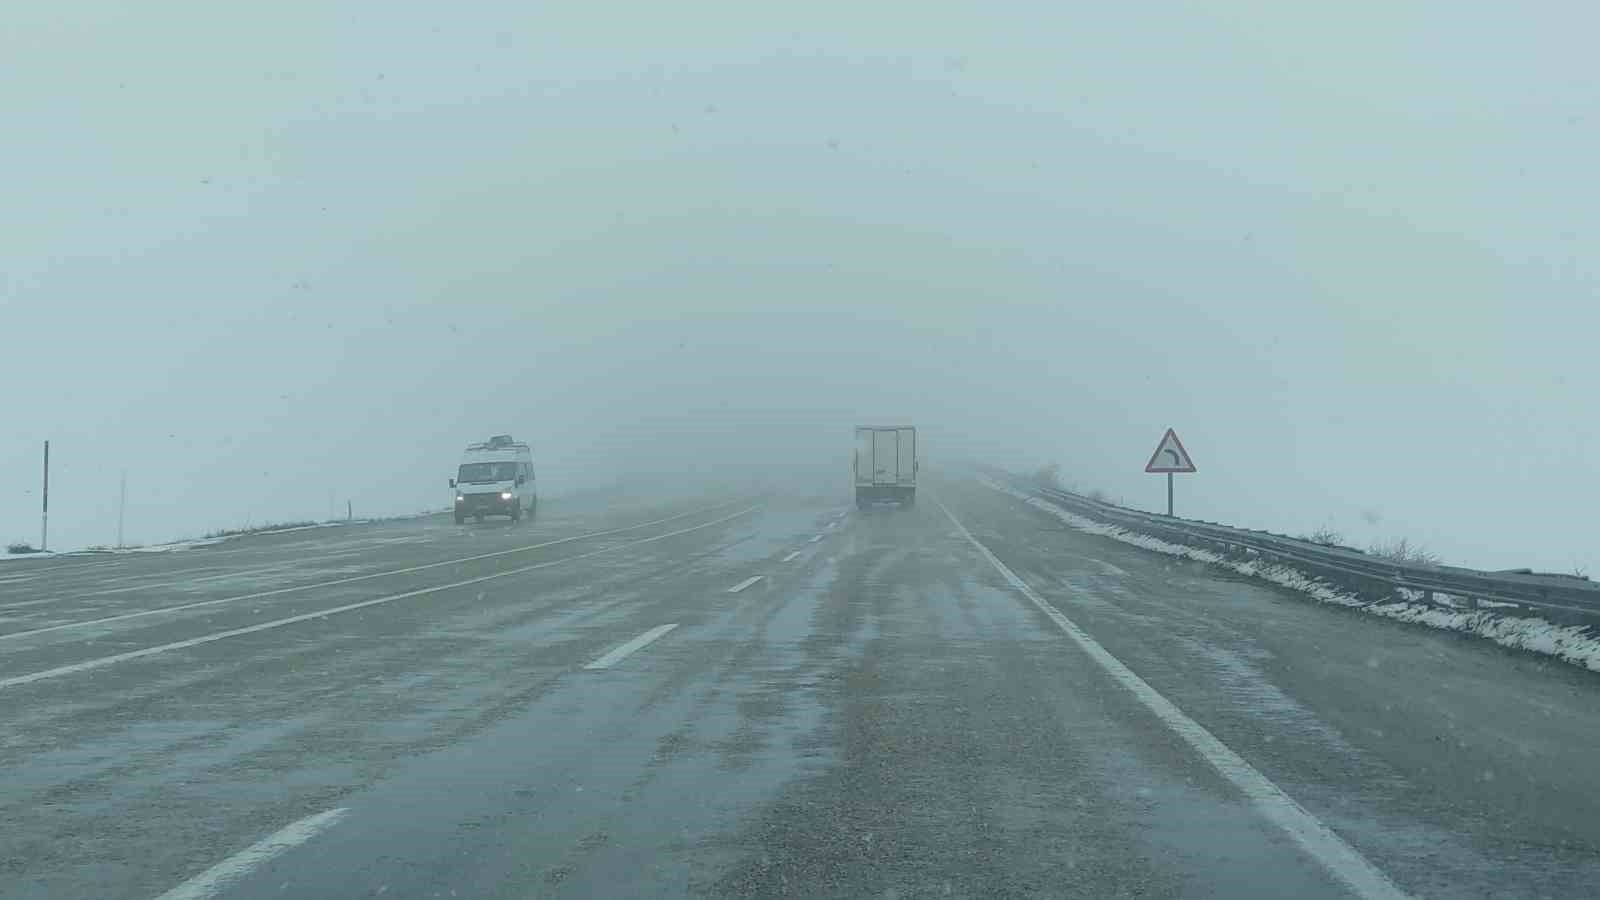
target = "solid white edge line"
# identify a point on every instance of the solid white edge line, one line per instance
(791, 557)
(623, 651)
(815, 539)
(106, 620)
(215, 879)
(103, 661)
(1318, 841)
(745, 583)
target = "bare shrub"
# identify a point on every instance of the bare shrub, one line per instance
(1402, 550)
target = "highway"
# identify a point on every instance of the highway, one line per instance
(762, 694)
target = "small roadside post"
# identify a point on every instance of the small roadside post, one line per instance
(1170, 458)
(44, 511)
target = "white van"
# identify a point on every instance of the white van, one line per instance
(496, 478)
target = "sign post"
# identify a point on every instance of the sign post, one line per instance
(122, 506)
(1170, 458)
(44, 510)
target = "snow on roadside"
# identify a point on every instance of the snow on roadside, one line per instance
(164, 548)
(113, 551)
(1574, 644)
(20, 557)
(206, 542)
(290, 528)
(219, 539)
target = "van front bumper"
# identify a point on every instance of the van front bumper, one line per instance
(476, 503)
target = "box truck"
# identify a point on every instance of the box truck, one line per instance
(886, 464)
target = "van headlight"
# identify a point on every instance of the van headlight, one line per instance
(460, 499)
(505, 495)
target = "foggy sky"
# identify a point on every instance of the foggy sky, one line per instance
(261, 260)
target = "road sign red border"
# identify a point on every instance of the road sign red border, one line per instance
(1151, 465)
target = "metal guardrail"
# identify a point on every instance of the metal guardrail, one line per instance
(1569, 597)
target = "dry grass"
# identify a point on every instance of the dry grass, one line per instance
(1402, 550)
(1049, 477)
(253, 529)
(1325, 536)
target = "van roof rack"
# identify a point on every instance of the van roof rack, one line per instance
(499, 442)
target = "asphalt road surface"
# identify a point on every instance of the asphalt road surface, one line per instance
(762, 696)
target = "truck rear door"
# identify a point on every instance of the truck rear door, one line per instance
(863, 456)
(906, 465)
(886, 456)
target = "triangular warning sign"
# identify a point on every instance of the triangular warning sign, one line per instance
(1170, 456)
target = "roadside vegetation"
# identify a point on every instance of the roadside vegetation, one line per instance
(257, 529)
(1403, 551)
(1325, 536)
(1049, 477)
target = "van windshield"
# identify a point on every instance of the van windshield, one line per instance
(486, 472)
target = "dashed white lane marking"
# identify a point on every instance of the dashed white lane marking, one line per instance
(623, 651)
(11, 607)
(834, 524)
(104, 661)
(107, 620)
(217, 878)
(745, 583)
(791, 557)
(815, 539)
(1318, 841)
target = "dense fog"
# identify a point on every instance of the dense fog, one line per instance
(269, 265)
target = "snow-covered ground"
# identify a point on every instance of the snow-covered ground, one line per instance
(1571, 643)
(190, 544)
(152, 548)
(169, 547)
(19, 557)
